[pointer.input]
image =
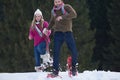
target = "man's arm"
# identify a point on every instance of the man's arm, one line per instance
(51, 22)
(71, 13)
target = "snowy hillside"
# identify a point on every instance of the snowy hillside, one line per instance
(86, 75)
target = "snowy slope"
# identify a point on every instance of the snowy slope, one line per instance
(86, 75)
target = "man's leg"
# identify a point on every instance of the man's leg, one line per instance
(72, 47)
(58, 41)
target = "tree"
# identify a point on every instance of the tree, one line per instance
(99, 21)
(15, 53)
(113, 57)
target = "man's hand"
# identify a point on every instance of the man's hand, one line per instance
(58, 18)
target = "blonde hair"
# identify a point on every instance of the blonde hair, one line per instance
(34, 22)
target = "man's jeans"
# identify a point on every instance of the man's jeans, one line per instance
(59, 38)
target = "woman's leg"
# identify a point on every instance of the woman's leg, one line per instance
(37, 56)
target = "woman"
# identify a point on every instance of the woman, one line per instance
(39, 33)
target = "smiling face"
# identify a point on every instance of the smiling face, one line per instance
(38, 17)
(58, 2)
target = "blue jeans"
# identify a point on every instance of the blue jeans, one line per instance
(59, 38)
(39, 50)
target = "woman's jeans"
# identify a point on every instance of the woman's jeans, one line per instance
(40, 49)
(59, 38)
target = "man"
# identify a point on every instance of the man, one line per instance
(61, 21)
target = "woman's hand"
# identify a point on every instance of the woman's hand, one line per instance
(46, 31)
(29, 37)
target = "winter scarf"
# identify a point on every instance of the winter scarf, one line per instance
(61, 6)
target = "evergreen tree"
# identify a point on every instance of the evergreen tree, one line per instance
(113, 57)
(99, 21)
(16, 54)
(1, 11)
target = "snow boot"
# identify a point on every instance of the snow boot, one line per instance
(47, 60)
(39, 68)
(74, 72)
(53, 74)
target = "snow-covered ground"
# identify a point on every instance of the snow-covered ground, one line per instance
(86, 75)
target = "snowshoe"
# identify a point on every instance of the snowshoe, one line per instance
(53, 74)
(72, 73)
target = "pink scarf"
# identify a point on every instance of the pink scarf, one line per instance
(61, 6)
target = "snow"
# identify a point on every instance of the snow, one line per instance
(86, 75)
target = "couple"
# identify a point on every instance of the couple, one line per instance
(61, 21)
